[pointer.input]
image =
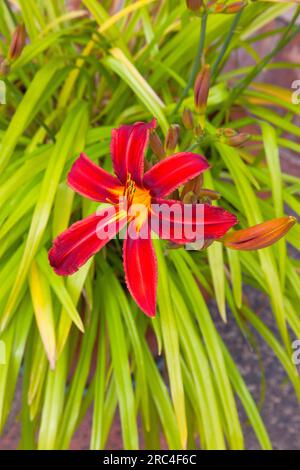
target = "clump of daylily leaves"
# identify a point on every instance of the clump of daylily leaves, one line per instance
(167, 199)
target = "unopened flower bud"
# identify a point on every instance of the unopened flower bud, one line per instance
(17, 43)
(198, 182)
(156, 145)
(147, 165)
(229, 132)
(4, 66)
(194, 5)
(234, 7)
(238, 140)
(172, 137)
(188, 118)
(201, 89)
(193, 186)
(199, 131)
(218, 7)
(259, 236)
(189, 198)
(209, 193)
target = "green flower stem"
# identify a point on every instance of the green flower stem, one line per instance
(197, 62)
(224, 48)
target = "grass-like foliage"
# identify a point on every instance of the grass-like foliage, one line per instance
(80, 342)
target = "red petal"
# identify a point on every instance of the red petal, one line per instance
(128, 146)
(72, 248)
(140, 266)
(217, 221)
(172, 172)
(186, 223)
(91, 181)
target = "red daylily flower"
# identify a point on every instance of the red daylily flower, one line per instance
(77, 244)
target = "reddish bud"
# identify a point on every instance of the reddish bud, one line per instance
(234, 7)
(188, 119)
(218, 8)
(201, 89)
(223, 8)
(259, 236)
(229, 132)
(209, 193)
(4, 66)
(193, 186)
(238, 140)
(172, 137)
(17, 43)
(147, 165)
(156, 145)
(189, 198)
(199, 131)
(194, 5)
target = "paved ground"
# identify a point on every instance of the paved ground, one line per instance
(280, 410)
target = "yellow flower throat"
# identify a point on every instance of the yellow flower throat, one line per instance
(136, 195)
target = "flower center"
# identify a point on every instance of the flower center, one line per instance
(135, 195)
(138, 202)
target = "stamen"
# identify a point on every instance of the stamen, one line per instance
(138, 203)
(130, 189)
